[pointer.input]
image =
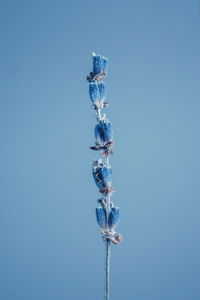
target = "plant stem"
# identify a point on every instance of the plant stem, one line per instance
(107, 263)
(107, 242)
(107, 267)
(98, 115)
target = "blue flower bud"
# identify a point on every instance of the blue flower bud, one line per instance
(100, 63)
(98, 133)
(102, 175)
(97, 64)
(105, 63)
(107, 131)
(97, 91)
(103, 132)
(94, 92)
(106, 174)
(114, 217)
(101, 216)
(102, 91)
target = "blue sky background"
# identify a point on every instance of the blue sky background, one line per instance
(50, 242)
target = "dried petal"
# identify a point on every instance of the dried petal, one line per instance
(116, 239)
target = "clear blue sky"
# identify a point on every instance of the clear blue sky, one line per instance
(50, 242)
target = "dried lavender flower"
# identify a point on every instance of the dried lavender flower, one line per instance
(107, 214)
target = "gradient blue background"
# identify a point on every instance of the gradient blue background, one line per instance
(50, 246)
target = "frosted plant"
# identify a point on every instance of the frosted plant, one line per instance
(107, 213)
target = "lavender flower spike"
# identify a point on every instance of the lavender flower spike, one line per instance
(107, 214)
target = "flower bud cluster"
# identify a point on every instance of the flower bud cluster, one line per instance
(106, 213)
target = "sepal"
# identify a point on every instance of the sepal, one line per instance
(114, 237)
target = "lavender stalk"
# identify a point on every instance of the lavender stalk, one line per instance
(106, 213)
